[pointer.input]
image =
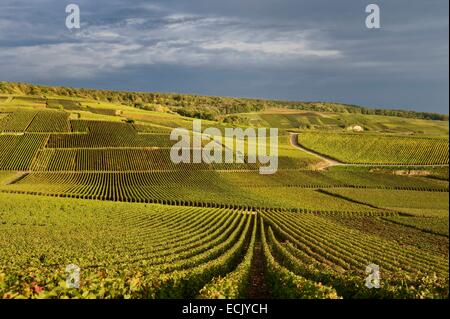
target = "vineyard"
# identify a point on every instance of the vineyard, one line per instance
(91, 183)
(17, 120)
(129, 250)
(314, 248)
(362, 148)
(17, 152)
(146, 188)
(49, 122)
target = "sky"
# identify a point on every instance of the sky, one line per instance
(313, 50)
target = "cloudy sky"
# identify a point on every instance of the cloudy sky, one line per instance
(281, 49)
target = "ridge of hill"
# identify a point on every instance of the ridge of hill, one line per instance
(203, 107)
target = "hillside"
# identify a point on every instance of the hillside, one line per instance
(87, 180)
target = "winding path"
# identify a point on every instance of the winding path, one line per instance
(328, 161)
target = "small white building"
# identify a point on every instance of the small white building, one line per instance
(355, 128)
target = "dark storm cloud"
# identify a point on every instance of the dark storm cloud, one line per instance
(288, 49)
